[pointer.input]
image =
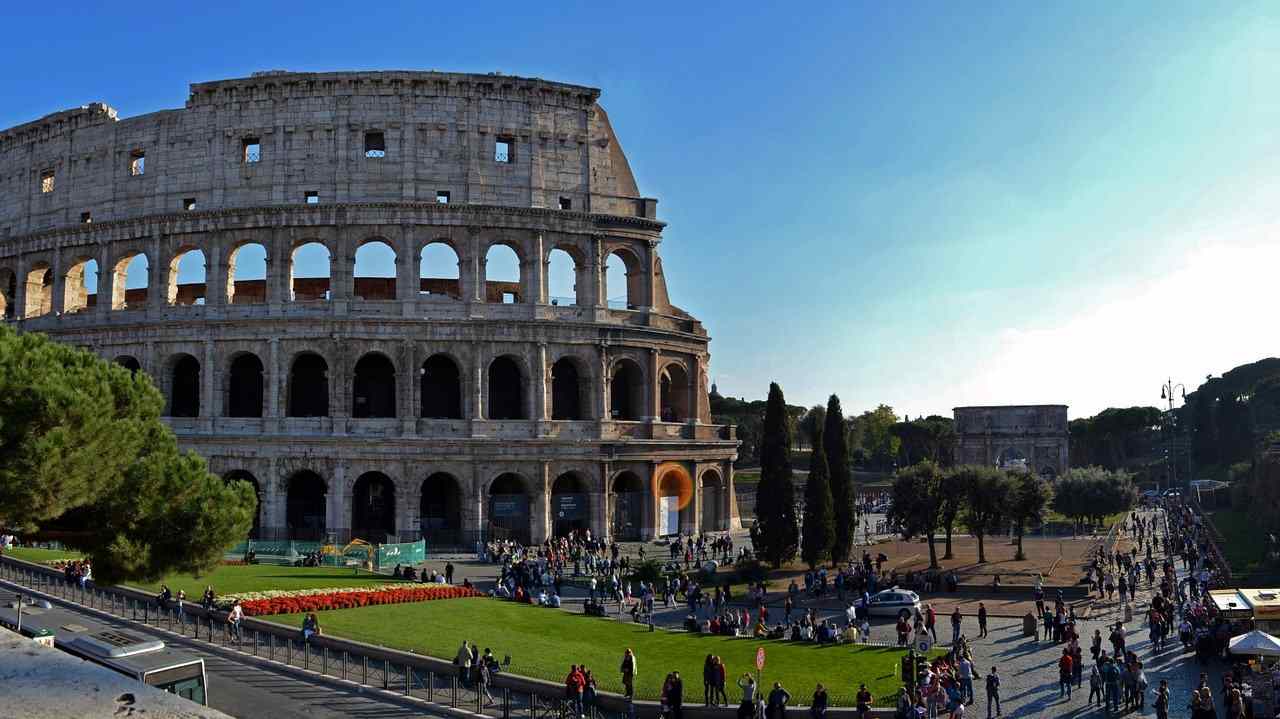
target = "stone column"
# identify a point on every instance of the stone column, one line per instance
(215, 274)
(695, 389)
(157, 278)
(210, 404)
(479, 411)
(275, 519)
(597, 290)
(105, 275)
(651, 277)
(650, 531)
(59, 285)
(539, 505)
(408, 401)
(341, 272)
(653, 389)
(475, 274)
(338, 498)
(407, 270)
(539, 264)
(541, 409)
(279, 268)
(603, 406)
(600, 502)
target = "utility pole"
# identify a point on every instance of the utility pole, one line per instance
(1170, 461)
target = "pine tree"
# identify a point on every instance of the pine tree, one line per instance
(776, 535)
(819, 517)
(835, 443)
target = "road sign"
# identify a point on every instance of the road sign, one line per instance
(922, 644)
(760, 659)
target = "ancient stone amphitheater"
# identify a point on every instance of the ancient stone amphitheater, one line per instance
(434, 400)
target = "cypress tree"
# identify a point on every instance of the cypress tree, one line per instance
(776, 534)
(835, 444)
(819, 519)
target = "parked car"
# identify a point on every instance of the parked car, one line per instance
(890, 602)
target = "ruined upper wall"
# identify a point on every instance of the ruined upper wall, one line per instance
(440, 131)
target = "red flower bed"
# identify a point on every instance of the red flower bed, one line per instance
(349, 600)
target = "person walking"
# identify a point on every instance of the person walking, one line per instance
(234, 618)
(1095, 685)
(818, 705)
(777, 705)
(993, 691)
(982, 621)
(574, 683)
(955, 626)
(628, 670)
(483, 677)
(1161, 703)
(931, 619)
(463, 662)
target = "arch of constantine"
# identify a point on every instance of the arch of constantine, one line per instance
(218, 248)
(1032, 437)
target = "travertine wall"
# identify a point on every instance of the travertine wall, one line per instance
(1033, 434)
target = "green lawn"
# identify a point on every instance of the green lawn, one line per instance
(544, 642)
(233, 579)
(1244, 538)
(29, 554)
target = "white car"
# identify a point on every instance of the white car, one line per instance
(890, 602)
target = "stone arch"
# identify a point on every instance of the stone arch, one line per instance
(673, 393)
(624, 279)
(1048, 472)
(509, 514)
(440, 386)
(626, 390)
(246, 476)
(310, 271)
(184, 385)
(306, 506)
(715, 514)
(627, 499)
(247, 273)
(373, 387)
(439, 269)
(130, 271)
(188, 275)
(244, 388)
(675, 498)
(440, 510)
(499, 257)
(374, 272)
(129, 362)
(373, 508)
(308, 386)
(8, 293)
(80, 285)
(570, 504)
(1011, 458)
(564, 269)
(570, 389)
(39, 290)
(506, 388)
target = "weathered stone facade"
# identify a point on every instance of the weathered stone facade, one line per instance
(379, 406)
(1034, 436)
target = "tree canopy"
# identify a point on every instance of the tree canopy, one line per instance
(776, 533)
(85, 458)
(917, 504)
(1092, 493)
(985, 501)
(835, 443)
(819, 517)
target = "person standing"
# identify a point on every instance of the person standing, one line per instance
(966, 679)
(483, 677)
(1064, 674)
(182, 607)
(708, 681)
(993, 691)
(448, 572)
(982, 620)
(818, 705)
(463, 661)
(863, 700)
(777, 706)
(676, 696)
(930, 619)
(628, 670)
(1162, 700)
(955, 626)
(747, 683)
(234, 618)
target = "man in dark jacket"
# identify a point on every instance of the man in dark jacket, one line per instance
(676, 696)
(777, 704)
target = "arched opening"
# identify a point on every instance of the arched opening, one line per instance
(373, 508)
(674, 394)
(627, 512)
(438, 272)
(506, 390)
(244, 386)
(8, 293)
(309, 386)
(440, 511)
(562, 278)
(675, 500)
(1012, 458)
(247, 274)
(375, 271)
(129, 363)
(309, 273)
(626, 391)
(186, 278)
(441, 386)
(570, 505)
(509, 509)
(566, 390)
(374, 387)
(242, 475)
(623, 281)
(130, 279)
(39, 291)
(80, 286)
(305, 506)
(502, 275)
(1048, 473)
(184, 387)
(714, 504)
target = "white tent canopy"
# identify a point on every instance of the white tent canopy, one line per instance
(1256, 642)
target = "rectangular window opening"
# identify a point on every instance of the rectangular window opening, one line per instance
(375, 144)
(504, 150)
(566, 203)
(252, 150)
(46, 182)
(137, 163)
(189, 204)
(86, 218)
(442, 197)
(509, 298)
(313, 197)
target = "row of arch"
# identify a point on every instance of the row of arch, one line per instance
(507, 501)
(310, 275)
(440, 388)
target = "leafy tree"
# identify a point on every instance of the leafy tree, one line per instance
(777, 533)
(835, 443)
(931, 438)
(819, 516)
(872, 432)
(917, 504)
(986, 504)
(84, 458)
(810, 423)
(954, 491)
(1029, 496)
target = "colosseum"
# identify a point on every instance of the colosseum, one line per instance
(433, 399)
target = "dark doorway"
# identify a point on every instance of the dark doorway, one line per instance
(566, 396)
(441, 388)
(570, 505)
(440, 512)
(626, 392)
(309, 387)
(506, 393)
(674, 397)
(628, 507)
(374, 387)
(373, 508)
(244, 390)
(305, 507)
(714, 502)
(184, 389)
(242, 475)
(129, 363)
(509, 509)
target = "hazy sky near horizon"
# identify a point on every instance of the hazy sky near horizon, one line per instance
(919, 204)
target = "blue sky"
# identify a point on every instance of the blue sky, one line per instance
(922, 204)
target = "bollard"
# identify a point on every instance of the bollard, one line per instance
(431, 686)
(386, 670)
(364, 678)
(506, 703)
(408, 673)
(345, 656)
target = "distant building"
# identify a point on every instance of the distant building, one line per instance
(1020, 436)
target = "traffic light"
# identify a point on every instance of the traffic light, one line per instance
(908, 670)
(921, 669)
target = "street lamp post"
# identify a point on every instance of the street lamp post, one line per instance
(1167, 391)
